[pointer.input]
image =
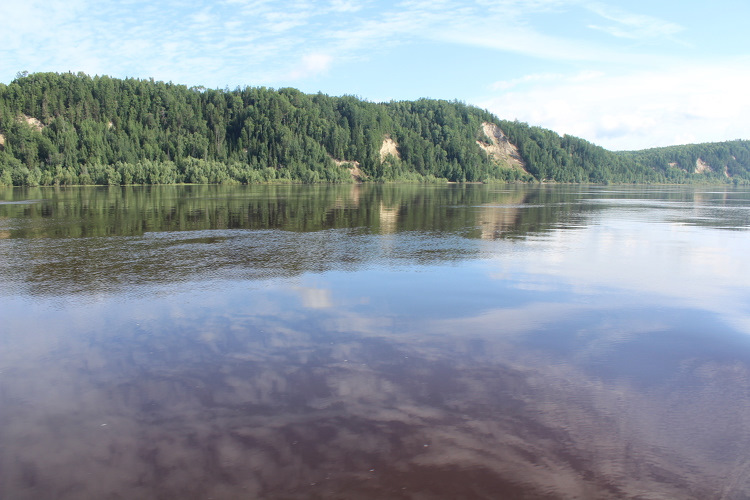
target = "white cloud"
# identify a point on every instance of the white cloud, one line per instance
(544, 77)
(311, 65)
(345, 6)
(317, 63)
(633, 26)
(269, 34)
(644, 108)
(204, 17)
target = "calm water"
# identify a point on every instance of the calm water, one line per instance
(375, 342)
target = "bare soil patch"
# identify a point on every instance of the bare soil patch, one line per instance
(701, 167)
(500, 148)
(389, 147)
(353, 167)
(32, 122)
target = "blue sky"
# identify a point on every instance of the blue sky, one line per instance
(625, 75)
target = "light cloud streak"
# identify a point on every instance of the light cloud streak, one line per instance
(634, 26)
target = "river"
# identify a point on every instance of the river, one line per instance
(368, 341)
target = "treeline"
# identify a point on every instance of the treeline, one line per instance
(717, 161)
(75, 129)
(551, 157)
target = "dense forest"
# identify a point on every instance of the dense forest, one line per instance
(718, 161)
(61, 129)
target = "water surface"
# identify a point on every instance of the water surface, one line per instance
(366, 341)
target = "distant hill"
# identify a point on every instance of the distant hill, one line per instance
(716, 161)
(58, 129)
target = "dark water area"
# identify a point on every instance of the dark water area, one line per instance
(405, 342)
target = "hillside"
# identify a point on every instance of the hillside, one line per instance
(58, 129)
(718, 161)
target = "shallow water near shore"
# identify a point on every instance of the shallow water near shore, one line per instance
(371, 341)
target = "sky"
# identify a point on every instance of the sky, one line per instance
(624, 75)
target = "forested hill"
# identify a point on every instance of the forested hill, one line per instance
(76, 129)
(717, 161)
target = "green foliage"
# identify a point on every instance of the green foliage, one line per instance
(61, 129)
(550, 157)
(718, 161)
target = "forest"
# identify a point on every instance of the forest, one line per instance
(66, 129)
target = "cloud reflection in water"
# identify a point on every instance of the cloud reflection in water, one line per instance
(591, 357)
